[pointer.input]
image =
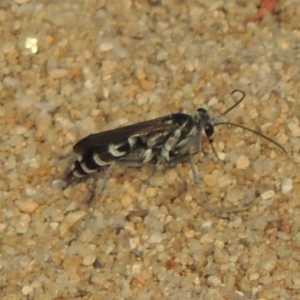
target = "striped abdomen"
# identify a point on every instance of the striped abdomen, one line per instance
(100, 157)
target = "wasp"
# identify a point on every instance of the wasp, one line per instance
(168, 139)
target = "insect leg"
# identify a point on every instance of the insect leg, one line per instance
(183, 150)
(130, 163)
(178, 158)
(138, 158)
(91, 198)
(221, 213)
(196, 176)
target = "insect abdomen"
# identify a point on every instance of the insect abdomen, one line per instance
(97, 158)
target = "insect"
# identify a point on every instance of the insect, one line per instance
(168, 139)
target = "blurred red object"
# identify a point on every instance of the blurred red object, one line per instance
(266, 7)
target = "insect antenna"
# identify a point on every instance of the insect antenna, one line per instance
(224, 213)
(253, 131)
(224, 113)
(241, 126)
(235, 104)
(214, 150)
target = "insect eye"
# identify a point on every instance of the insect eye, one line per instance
(209, 130)
(202, 111)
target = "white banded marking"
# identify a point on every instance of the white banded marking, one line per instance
(114, 151)
(165, 154)
(172, 140)
(99, 161)
(132, 141)
(85, 168)
(148, 155)
(77, 174)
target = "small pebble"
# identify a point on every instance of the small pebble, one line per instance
(219, 244)
(213, 281)
(213, 101)
(219, 256)
(189, 233)
(54, 225)
(15, 140)
(151, 192)
(136, 268)
(10, 162)
(12, 82)
(23, 224)
(71, 262)
(58, 73)
(266, 280)
(287, 185)
(210, 180)
(140, 74)
(30, 192)
(207, 224)
(145, 84)
(30, 42)
(134, 242)
(284, 236)
(70, 219)
(267, 195)
(222, 155)
(296, 281)
(89, 260)
(27, 289)
(129, 226)
(234, 196)
(156, 238)
(242, 162)
(104, 47)
(295, 129)
(2, 227)
(208, 238)
(236, 223)
(162, 55)
(126, 200)
(20, 130)
(136, 216)
(58, 184)
(26, 206)
(253, 276)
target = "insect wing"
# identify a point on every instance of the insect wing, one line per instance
(102, 139)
